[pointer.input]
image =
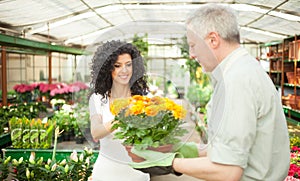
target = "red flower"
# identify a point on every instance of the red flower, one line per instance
(295, 149)
(80, 85)
(46, 87)
(294, 155)
(22, 88)
(15, 170)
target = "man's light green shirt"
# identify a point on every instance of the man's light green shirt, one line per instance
(247, 126)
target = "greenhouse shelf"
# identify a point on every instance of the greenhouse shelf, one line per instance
(289, 112)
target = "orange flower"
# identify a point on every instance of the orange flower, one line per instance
(158, 100)
(150, 106)
(136, 108)
(32, 123)
(46, 125)
(140, 98)
(152, 110)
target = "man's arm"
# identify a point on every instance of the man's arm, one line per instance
(202, 152)
(203, 168)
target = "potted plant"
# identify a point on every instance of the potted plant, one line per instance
(29, 110)
(57, 104)
(24, 92)
(146, 122)
(81, 122)
(65, 120)
(31, 133)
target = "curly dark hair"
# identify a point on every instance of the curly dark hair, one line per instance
(103, 65)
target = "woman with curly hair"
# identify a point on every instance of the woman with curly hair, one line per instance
(117, 71)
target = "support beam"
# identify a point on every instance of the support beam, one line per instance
(31, 44)
(50, 68)
(4, 77)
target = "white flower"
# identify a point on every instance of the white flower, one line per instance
(7, 160)
(21, 160)
(63, 162)
(40, 161)
(66, 168)
(88, 151)
(49, 161)
(32, 157)
(53, 168)
(27, 173)
(74, 156)
(81, 157)
(15, 162)
(87, 161)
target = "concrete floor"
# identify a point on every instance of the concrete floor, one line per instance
(174, 178)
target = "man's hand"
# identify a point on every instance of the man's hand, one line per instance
(158, 163)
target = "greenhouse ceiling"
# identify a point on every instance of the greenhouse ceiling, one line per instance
(85, 22)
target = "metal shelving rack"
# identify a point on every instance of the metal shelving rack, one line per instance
(283, 57)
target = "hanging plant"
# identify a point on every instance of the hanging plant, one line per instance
(142, 45)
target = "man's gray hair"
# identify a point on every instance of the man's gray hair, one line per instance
(217, 18)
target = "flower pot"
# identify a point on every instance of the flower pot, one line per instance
(5, 140)
(135, 158)
(79, 139)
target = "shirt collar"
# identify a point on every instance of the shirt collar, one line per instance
(217, 74)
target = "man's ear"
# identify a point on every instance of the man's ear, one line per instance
(213, 39)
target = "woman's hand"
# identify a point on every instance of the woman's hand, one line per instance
(98, 129)
(109, 125)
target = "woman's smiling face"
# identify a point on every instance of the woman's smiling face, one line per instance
(122, 72)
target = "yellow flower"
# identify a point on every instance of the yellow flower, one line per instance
(169, 104)
(118, 105)
(39, 122)
(179, 112)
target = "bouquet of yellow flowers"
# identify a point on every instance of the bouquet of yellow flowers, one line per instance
(148, 122)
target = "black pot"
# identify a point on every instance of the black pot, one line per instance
(79, 140)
